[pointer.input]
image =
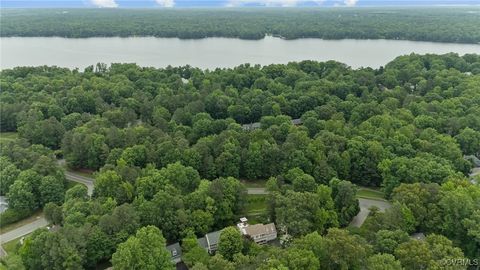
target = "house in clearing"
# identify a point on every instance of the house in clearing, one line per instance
(259, 233)
(257, 125)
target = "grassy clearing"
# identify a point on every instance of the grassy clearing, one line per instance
(369, 193)
(71, 184)
(81, 172)
(254, 183)
(13, 226)
(256, 208)
(12, 246)
(8, 136)
(84, 173)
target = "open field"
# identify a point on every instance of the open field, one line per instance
(256, 208)
(8, 136)
(369, 193)
(84, 173)
(260, 183)
(11, 247)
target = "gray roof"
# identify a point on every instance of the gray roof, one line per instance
(3, 204)
(251, 126)
(203, 242)
(297, 121)
(257, 125)
(418, 236)
(474, 160)
(175, 250)
(213, 237)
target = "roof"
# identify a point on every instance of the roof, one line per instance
(257, 125)
(3, 204)
(203, 242)
(259, 229)
(418, 236)
(297, 121)
(175, 250)
(474, 160)
(213, 238)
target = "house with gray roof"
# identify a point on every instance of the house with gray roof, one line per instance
(175, 252)
(257, 125)
(212, 241)
(3, 204)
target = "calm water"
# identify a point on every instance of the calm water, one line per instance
(209, 52)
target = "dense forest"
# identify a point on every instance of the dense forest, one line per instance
(170, 153)
(461, 25)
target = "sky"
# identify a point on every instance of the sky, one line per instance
(223, 3)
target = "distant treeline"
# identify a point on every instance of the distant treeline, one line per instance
(460, 25)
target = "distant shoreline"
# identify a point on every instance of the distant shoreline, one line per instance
(459, 25)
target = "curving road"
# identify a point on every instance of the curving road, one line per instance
(87, 181)
(71, 176)
(365, 204)
(42, 222)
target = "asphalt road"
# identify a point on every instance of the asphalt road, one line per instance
(24, 230)
(87, 181)
(71, 176)
(365, 204)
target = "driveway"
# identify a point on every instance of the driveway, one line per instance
(23, 230)
(87, 181)
(365, 204)
(71, 176)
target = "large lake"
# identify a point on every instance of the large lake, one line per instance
(210, 52)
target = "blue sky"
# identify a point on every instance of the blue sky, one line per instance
(224, 3)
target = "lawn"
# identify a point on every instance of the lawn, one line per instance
(71, 184)
(8, 136)
(12, 246)
(369, 193)
(260, 183)
(84, 173)
(33, 217)
(256, 208)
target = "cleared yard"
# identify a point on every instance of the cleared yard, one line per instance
(260, 183)
(256, 208)
(8, 136)
(369, 193)
(12, 246)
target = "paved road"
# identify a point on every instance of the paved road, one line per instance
(24, 230)
(365, 204)
(71, 176)
(87, 181)
(3, 253)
